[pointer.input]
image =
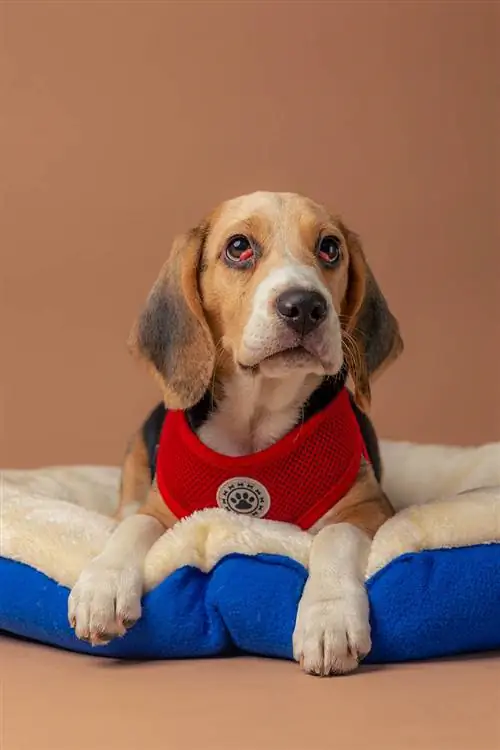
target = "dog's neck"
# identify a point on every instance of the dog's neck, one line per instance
(253, 412)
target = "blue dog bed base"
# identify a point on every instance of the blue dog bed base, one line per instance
(423, 605)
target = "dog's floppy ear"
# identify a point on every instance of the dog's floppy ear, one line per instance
(172, 333)
(372, 338)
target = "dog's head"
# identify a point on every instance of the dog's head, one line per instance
(269, 284)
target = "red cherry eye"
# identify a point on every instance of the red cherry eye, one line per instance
(329, 250)
(239, 251)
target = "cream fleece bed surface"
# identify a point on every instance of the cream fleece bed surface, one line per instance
(443, 600)
(57, 519)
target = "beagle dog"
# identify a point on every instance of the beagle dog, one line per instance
(259, 317)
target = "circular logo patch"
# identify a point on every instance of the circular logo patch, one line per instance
(244, 496)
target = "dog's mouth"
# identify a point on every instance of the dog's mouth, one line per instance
(292, 357)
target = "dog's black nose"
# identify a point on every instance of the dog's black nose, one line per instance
(301, 309)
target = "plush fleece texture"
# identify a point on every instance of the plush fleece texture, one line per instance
(219, 582)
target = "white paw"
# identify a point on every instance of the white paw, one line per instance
(332, 635)
(105, 602)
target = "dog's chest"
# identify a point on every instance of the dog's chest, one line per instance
(254, 415)
(235, 436)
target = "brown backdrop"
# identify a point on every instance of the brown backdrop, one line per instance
(123, 122)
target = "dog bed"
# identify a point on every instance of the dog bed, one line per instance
(220, 583)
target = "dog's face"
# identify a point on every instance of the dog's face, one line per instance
(269, 283)
(273, 278)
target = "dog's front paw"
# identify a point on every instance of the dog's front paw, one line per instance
(105, 602)
(332, 635)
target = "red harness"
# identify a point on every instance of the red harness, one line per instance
(296, 480)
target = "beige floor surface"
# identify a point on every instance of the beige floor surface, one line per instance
(52, 700)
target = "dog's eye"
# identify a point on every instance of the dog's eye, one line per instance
(329, 250)
(239, 251)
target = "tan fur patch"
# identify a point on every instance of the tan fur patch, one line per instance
(135, 478)
(364, 506)
(156, 507)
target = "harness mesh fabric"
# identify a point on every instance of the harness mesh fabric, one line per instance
(305, 473)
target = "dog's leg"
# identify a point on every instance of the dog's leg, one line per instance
(106, 599)
(332, 631)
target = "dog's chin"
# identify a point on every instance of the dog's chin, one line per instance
(293, 360)
(290, 361)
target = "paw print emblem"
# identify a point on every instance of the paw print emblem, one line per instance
(245, 496)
